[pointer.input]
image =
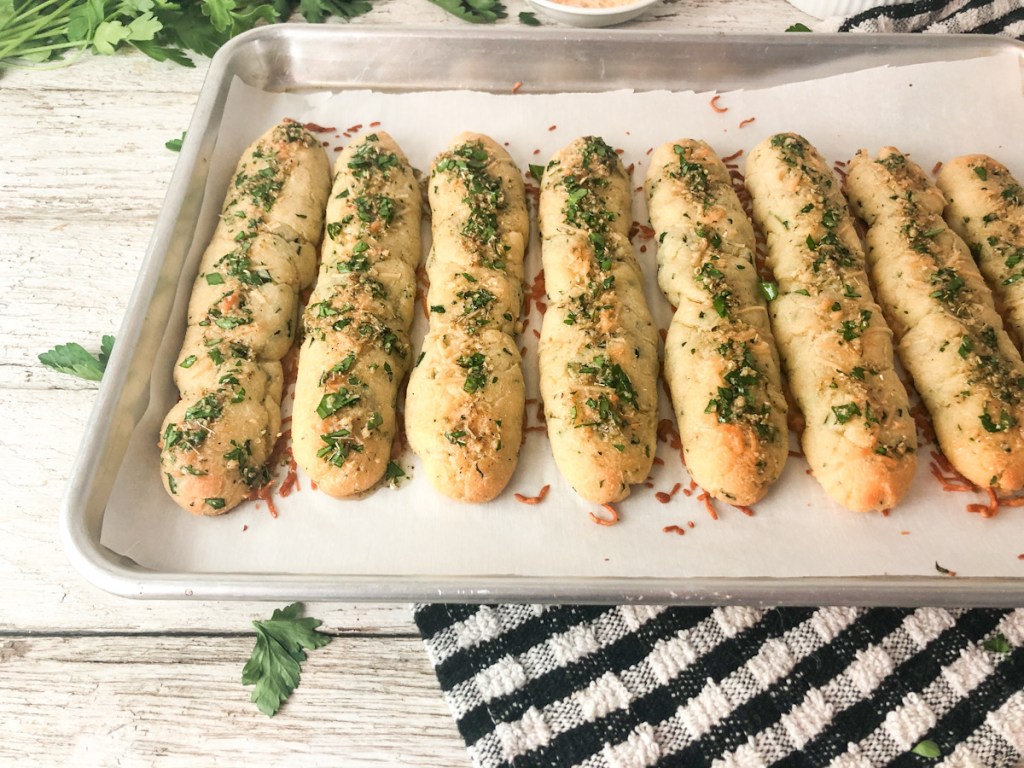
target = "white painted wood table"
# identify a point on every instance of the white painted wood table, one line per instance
(95, 680)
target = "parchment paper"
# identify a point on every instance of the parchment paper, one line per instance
(932, 111)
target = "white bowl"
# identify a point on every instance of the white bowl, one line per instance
(824, 9)
(591, 17)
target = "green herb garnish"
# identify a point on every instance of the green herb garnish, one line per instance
(175, 144)
(74, 360)
(281, 643)
(393, 473)
(334, 401)
(475, 11)
(769, 290)
(844, 413)
(476, 377)
(997, 644)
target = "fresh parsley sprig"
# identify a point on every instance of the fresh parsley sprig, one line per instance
(75, 360)
(33, 32)
(281, 643)
(315, 11)
(175, 144)
(475, 11)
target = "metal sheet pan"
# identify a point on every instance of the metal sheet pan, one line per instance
(292, 58)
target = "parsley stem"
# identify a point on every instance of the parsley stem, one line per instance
(36, 17)
(32, 11)
(54, 47)
(41, 28)
(37, 30)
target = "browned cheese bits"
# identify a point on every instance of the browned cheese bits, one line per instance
(466, 397)
(836, 349)
(950, 337)
(598, 349)
(720, 359)
(242, 319)
(986, 209)
(356, 351)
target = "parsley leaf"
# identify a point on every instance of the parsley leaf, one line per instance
(317, 10)
(769, 290)
(175, 144)
(394, 473)
(798, 27)
(274, 665)
(475, 11)
(529, 18)
(110, 34)
(74, 360)
(996, 643)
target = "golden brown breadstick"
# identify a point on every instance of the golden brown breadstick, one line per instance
(836, 349)
(720, 359)
(466, 397)
(986, 209)
(950, 338)
(216, 441)
(356, 324)
(598, 348)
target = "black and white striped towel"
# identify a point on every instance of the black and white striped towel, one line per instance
(990, 17)
(736, 687)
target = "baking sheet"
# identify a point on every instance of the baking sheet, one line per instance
(797, 532)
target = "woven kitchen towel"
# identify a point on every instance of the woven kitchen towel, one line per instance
(991, 17)
(738, 687)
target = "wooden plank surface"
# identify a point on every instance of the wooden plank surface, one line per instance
(124, 700)
(94, 680)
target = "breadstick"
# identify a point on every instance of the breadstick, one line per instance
(355, 351)
(215, 443)
(986, 209)
(720, 359)
(598, 349)
(859, 438)
(466, 397)
(950, 337)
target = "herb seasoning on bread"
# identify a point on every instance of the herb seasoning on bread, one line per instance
(598, 349)
(242, 319)
(859, 436)
(721, 365)
(355, 351)
(950, 338)
(466, 397)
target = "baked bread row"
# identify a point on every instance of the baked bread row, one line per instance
(466, 396)
(598, 349)
(216, 441)
(859, 436)
(721, 364)
(950, 337)
(986, 209)
(356, 351)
